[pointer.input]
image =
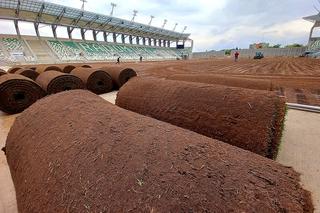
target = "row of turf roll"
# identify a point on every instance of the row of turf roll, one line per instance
(249, 119)
(51, 79)
(93, 156)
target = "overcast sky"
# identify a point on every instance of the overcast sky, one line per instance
(219, 24)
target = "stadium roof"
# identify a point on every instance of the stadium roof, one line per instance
(314, 18)
(50, 13)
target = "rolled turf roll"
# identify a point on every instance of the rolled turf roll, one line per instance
(86, 66)
(95, 157)
(17, 93)
(249, 119)
(29, 73)
(243, 82)
(54, 82)
(119, 75)
(67, 68)
(14, 69)
(45, 68)
(96, 80)
(2, 72)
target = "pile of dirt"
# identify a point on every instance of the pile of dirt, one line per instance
(95, 157)
(249, 119)
(96, 80)
(257, 84)
(17, 93)
(119, 75)
(54, 82)
(29, 73)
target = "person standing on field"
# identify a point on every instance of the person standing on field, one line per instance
(118, 60)
(236, 56)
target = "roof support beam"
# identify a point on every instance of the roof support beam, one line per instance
(36, 28)
(54, 30)
(39, 15)
(17, 12)
(58, 19)
(69, 30)
(83, 33)
(16, 25)
(76, 21)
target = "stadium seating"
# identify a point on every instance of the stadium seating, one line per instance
(76, 50)
(12, 44)
(314, 46)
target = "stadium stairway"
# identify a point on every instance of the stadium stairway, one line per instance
(42, 51)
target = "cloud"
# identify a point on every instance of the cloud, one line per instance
(217, 24)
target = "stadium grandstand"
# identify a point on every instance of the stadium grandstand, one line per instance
(314, 40)
(121, 38)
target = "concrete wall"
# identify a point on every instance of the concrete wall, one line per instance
(272, 52)
(268, 52)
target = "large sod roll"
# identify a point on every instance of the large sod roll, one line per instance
(2, 72)
(17, 93)
(96, 80)
(28, 73)
(54, 82)
(249, 119)
(45, 68)
(119, 75)
(95, 157)
(14, 69)
(67, 68)
(243, 82)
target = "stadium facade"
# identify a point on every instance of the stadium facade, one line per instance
(314, 40)
(123, 38)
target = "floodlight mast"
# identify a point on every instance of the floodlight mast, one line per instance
(151, 18)
(164, 23)
(135, 12)
(113, 5)
(175, 26)
(83, 2)
(184, 29)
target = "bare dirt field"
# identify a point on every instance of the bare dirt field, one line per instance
(298, 79)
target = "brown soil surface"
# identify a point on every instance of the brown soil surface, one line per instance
(249, 119)
(17, 93)
(257, 84)
(96, 80)
(54, 82)
(120, 75)
(95, 157)
(287, 73)
(29, 73)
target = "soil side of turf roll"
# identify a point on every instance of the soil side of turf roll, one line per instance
(96, 80)
(45, 68)
(2, 72)
(54, 82)
(29, 73)
(95, 157)
(67, 68)
(120, 75)
(257, 84)
(241, 117)
(17, 93)
(14, 69)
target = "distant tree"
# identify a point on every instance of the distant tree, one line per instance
(294, 45)
(227, 52)
(276, 46)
